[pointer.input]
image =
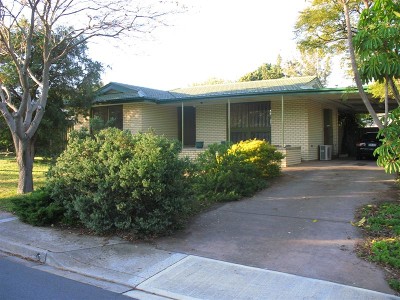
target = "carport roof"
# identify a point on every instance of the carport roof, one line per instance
(290, 88)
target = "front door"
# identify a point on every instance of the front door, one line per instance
(189, 125)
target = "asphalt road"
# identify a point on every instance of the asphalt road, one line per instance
(19, 281)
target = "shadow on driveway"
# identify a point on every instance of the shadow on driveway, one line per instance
(299, 225)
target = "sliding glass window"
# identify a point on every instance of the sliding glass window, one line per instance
(251, 120)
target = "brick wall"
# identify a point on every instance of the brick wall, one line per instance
(315, 118)
(133, 117)
(303, 125)
(292, 156)
(191, 153)
(211, 123)
(295, 124)
(162, 119)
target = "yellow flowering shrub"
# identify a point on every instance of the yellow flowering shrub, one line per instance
(261, 153)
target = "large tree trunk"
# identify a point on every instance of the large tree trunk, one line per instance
(354, 65)
(25, 153)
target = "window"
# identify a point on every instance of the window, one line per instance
(250, 120)
(112, 114)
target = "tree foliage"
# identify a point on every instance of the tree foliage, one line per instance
(330, 26)
(265, 71)
(389, 152)
(73, 80)
(311, 63)
(21, 22)
(211, 81)
(322, 25)
(377, 44)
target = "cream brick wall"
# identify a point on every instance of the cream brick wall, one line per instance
(211, 123)
(140, 117)
(295, 124)
(162, 119)
(315, 119)
(303, 124)
(133, 117)
(292, 156)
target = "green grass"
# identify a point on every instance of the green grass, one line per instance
(381, 227)
(382, 220)
(9, 179)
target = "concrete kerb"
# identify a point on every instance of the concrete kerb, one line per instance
(70, 262)
(23, 251)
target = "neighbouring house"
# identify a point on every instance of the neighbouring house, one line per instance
(295, 114)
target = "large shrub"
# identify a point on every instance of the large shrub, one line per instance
(260, 153)
(116, 180)
(230, 172)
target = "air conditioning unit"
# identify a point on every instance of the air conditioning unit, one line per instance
(325, 152)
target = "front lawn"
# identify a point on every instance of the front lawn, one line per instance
(381, 227)
(9, 178)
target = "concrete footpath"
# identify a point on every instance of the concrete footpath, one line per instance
(140, 271)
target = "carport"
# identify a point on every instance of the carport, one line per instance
(351, 104)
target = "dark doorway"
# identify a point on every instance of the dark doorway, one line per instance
(189, 125)
(328, 127)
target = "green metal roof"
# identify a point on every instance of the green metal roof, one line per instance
(250, 87)
(120, 93)
(123, 93)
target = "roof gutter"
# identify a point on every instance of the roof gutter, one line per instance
(126, 100)
(256, 94)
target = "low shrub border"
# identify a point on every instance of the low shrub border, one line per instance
(112, 181)
(380, 224)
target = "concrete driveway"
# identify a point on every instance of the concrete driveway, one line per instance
(299, 225)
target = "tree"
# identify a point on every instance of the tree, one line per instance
(311, 63)
(377, 45)
(73, 80)
(330, 26)
(265, 71)
(323, 26)
(210, 81)
(93, 19)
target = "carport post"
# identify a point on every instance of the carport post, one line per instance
(283, 124)
(229, 120)
(183, 130)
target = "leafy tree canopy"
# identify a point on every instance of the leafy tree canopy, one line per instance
(311, 63)
(265, 71)
(73, 80)
(322, 25)
(377, 42)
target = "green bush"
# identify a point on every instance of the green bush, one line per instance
(38, 208)
(230, 172)
(260, 153)
(388, 152)
(116, 180)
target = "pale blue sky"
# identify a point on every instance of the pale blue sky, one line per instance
(215, 38)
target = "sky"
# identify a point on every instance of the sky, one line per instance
(214, 38)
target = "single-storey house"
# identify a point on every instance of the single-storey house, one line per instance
(295, 114)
